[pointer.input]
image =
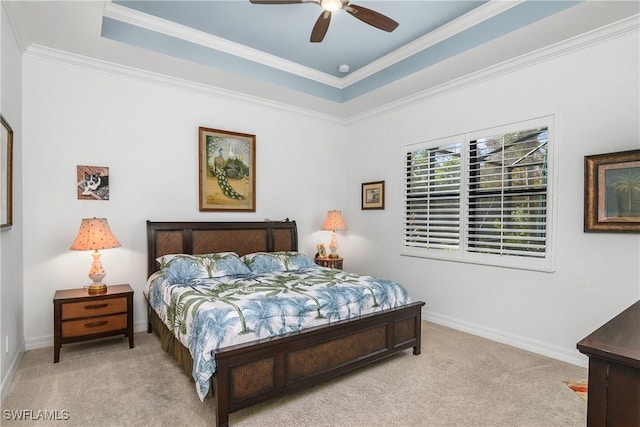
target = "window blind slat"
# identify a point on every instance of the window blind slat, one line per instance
(504, 215)
(502, 180)
(432, 197)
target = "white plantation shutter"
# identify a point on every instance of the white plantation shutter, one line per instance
(432, 197)
(507, 202)
(482, 197)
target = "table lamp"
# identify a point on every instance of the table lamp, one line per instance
(333, 222)
(94, 235)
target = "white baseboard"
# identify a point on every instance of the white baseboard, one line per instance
(40, 342)
(5, 386)
(538, 347)
(533, 346)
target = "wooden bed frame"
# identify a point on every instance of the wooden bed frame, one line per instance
(253, 372)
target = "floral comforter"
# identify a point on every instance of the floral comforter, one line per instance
(262, 296)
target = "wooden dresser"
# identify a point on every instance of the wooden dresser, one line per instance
(614, 371)
(80, 316)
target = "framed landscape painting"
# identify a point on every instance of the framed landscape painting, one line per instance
(612, 192)
(227, 171)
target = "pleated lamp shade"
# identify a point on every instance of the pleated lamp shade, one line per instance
(334, 222)
(95, 234)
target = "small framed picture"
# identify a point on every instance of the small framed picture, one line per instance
(612, 192)
(373, 195)
(322, 250)
(93, 182)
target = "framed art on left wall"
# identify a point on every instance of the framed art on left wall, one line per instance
(227, 170)
(6, 180)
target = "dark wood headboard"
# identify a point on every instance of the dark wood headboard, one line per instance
(165, 238)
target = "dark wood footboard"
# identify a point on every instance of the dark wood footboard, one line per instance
(251, 373)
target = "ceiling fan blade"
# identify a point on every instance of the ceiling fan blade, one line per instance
(321, 27)
(276, 1)
(283, 1)
(372, 17)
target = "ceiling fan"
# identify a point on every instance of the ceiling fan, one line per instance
(368, 16)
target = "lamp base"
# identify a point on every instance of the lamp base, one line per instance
(96, 288)
(96, 273)
(333, 246)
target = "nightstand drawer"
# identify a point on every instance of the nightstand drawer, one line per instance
(80, 316)
(76, 310)
(96, 325)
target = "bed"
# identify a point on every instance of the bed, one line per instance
(250, 372)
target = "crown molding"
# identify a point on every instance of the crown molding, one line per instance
(600, 35)
(17, 25)
(163, 26)
(142, 20)
(579, 42)
(450, 29)
(97, 65)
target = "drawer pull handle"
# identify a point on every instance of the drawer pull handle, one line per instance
(95, 324)
(95, 306)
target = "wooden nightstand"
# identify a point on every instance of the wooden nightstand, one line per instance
(330, 262)
(78, 316)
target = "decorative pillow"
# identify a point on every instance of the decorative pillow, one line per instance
(265, 262)
(181, 268)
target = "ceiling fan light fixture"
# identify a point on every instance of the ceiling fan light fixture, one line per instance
(368, 16)
(331, 5)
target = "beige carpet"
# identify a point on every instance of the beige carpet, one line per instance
(458, 380)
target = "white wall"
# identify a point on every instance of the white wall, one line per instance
(146, 132)
(593, 93)
(11, 307)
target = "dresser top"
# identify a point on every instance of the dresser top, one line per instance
(618, 339)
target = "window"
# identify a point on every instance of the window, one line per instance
(482, 197)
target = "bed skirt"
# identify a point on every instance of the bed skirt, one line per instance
(171, 344)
